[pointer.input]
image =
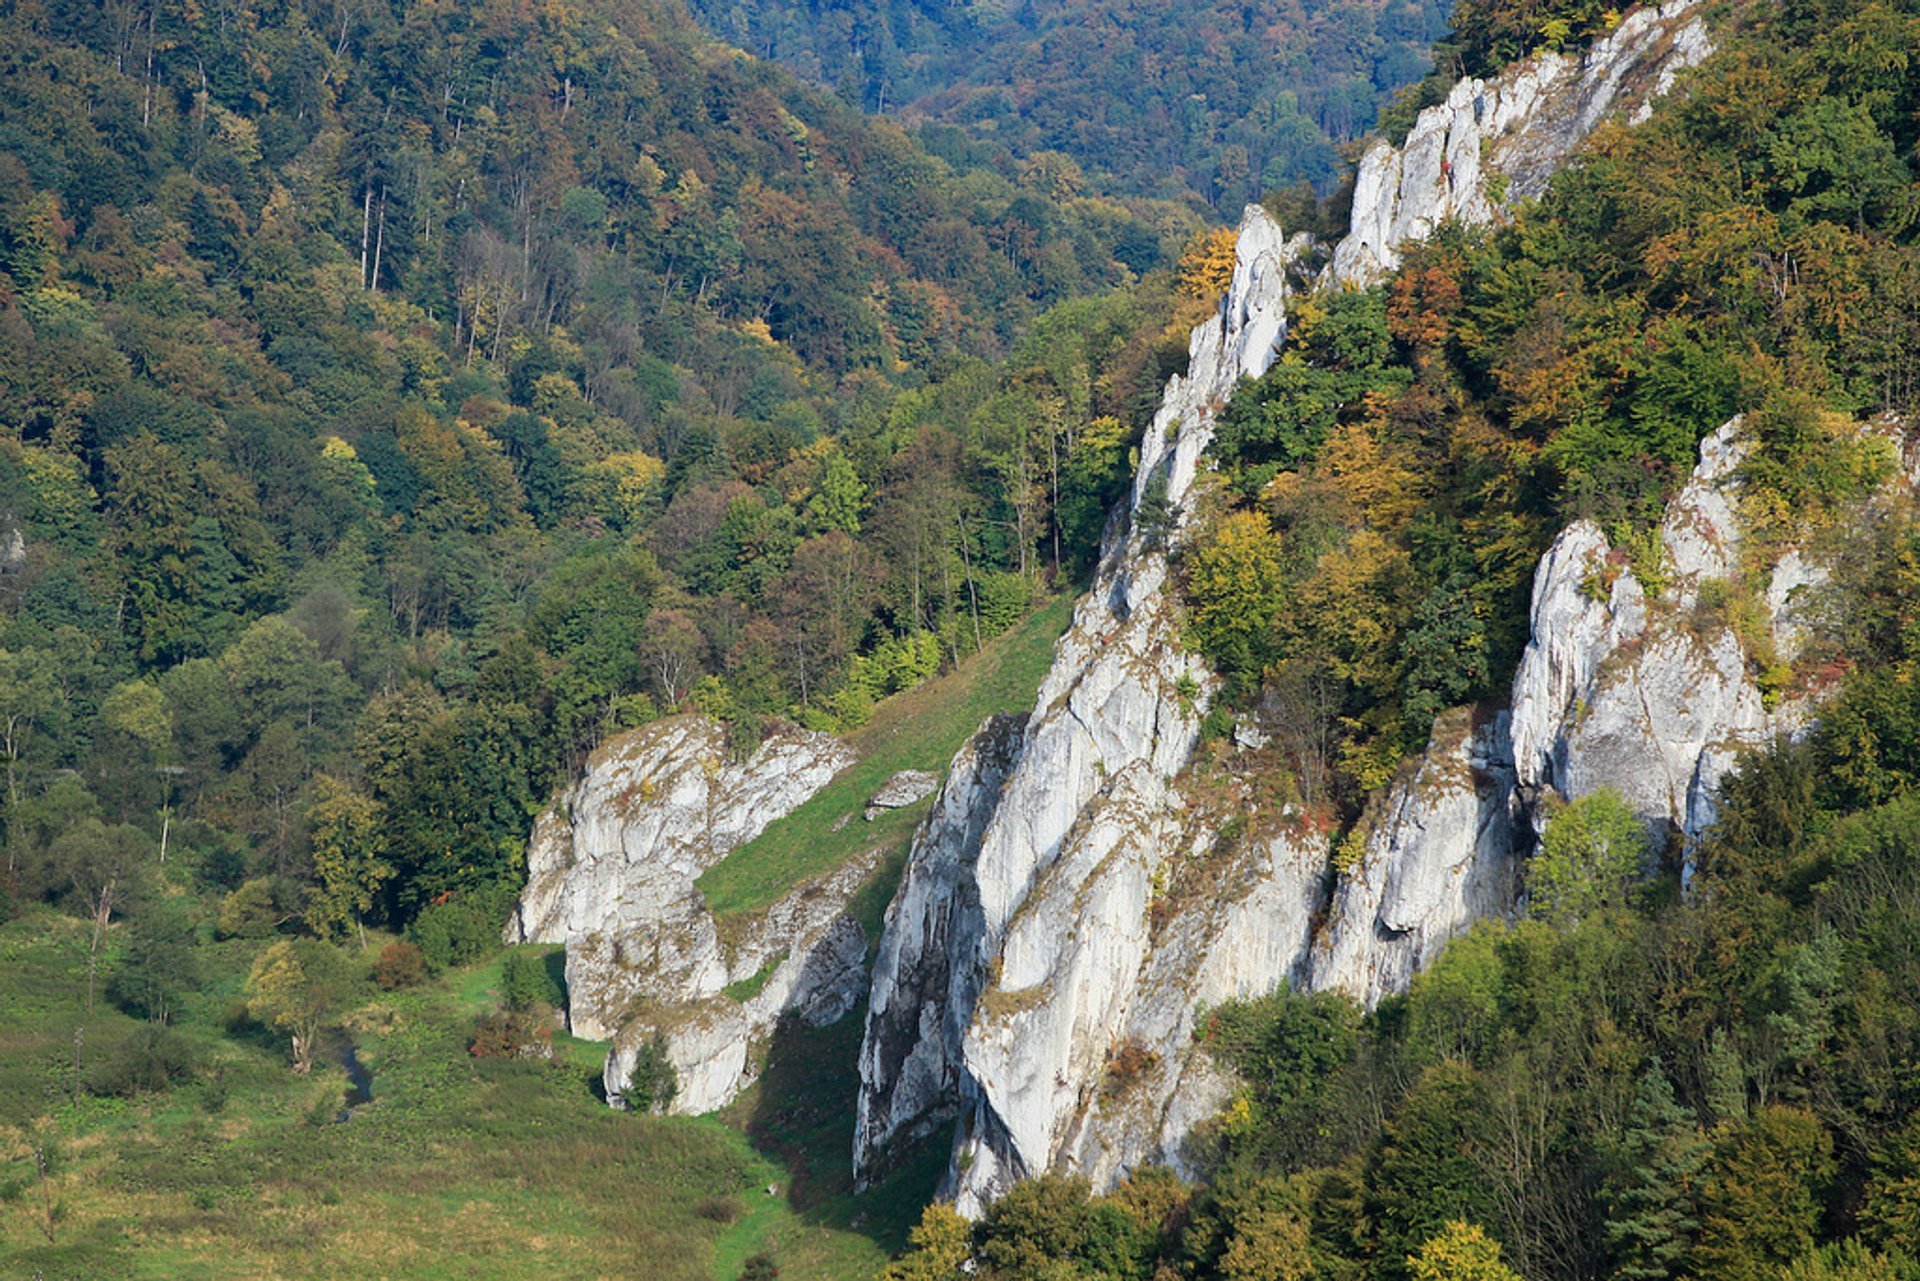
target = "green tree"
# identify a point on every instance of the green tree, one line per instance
(296, 986)
(1652, 1220)
(161, 966)
(1591, 853)
(1761, 1200)
(1236, 578)
(1424, 1175)
(1890, 1214)
(349, 867)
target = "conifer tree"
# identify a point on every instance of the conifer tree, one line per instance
(1653, 1221)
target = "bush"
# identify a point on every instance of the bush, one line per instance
(152, 1059)
(654, 1082)
(462, 929)
(400, 964)
(252, 911)
(526, 981)
(513, 1034)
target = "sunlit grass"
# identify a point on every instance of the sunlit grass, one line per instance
(919, 729)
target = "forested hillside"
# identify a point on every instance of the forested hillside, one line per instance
(1690, 1053)
(1223, 101)
(395, 401)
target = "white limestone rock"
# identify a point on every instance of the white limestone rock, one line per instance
(1653, 699)
(901, 790)
(1119, 710)
(1522, 125)
(1441, 857)
(928, 971)
(611, 871)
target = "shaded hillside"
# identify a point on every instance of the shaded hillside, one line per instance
(1221, 100)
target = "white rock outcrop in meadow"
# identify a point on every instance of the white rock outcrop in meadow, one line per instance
(611, 872)
(1498, 140)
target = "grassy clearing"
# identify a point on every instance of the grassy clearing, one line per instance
(459, 1167)
(919, 729)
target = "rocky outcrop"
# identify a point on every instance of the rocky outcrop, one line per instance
(1654, 697)
(906, 788)
(611, 872)
(1441, 855)
(1081, 894)
(1053, 899)
(927, 973)
(1496, 141)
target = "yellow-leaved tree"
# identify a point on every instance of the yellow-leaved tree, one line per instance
(1206, 268)
(1460, 1251)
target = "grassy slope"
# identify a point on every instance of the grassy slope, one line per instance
(919, 729)
(459, 1167)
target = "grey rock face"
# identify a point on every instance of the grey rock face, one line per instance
(1653, 698)
(1442, 857)
(611, 873)
(927, 973)
(1522, 125)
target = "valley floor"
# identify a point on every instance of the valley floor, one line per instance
(458, 1166)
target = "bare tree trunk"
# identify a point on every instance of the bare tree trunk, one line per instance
(379, 242)
(366, 232)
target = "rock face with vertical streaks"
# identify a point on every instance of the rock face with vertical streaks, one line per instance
(611, 871)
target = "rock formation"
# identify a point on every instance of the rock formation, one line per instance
(1076, 897)
(611, 871)
(1496, 141)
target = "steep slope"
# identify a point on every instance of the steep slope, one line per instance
(1499, 140)
(1077, 1051)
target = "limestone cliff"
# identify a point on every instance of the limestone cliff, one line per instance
(1496, 141)
(1069, 911)
(611, 871)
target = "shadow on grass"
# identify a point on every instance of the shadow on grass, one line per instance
(800, 1114)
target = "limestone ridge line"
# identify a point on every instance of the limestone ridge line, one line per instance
(1049, 951)
(1497, 140)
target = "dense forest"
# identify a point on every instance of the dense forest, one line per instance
(1221, 101)
(398, 401)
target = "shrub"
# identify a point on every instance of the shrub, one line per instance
(400, 964)
(512, 1034)
(152, 1059)
(252, 911)
(653, 1083)
(526, 983)
(462, 929)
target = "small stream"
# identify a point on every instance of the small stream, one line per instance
(359, 1079)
